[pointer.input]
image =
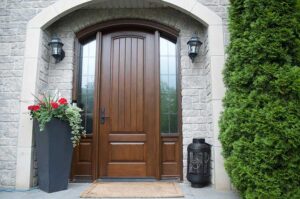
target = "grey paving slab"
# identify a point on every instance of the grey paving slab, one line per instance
(75, 189)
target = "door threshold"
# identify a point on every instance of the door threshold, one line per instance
(110, 179)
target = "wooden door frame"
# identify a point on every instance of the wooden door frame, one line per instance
(123, 24)
(97, 31)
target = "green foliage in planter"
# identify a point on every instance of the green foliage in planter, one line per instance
(72, 113)
(53, 107)
(260, 126)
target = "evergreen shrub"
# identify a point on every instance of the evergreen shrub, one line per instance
(260, 126)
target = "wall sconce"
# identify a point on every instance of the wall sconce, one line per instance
(193, 47)
(56, 49)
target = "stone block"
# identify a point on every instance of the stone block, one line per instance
(7, 178)
(192, 82)
(190, 113)
(190, 92)
(199, 106)
(7, 153)
(5, 49)
(222, 181)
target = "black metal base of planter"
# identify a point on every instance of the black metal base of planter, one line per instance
(54, 155)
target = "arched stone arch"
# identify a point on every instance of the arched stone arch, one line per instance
(47, 16)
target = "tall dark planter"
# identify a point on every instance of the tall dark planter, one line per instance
(54, 155)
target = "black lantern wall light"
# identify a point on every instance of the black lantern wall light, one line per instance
(194, 45)
(56, 49)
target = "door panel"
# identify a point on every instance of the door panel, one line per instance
(129, 136)
(170, 157)
(82, 160)
(135, 152)
(126, 170)
(127, 95)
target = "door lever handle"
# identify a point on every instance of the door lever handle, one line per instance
(102, 115)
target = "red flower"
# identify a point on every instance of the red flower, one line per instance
(34, 107)
(54, 105)
(62, 101)
(30, 107)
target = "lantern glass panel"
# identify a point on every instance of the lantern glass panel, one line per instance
(56, 48)
(197, 47)
(193, 49)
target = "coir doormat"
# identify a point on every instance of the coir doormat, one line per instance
(133, 190)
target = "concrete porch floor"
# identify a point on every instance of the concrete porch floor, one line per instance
(75, 189)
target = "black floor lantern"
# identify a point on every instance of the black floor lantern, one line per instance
(198, 168)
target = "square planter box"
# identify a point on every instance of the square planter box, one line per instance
(54, 155)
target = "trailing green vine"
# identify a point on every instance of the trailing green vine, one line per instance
(74, 118)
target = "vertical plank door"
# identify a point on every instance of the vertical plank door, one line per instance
(129, 117)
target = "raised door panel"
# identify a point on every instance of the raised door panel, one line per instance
(127, 84)
(82, 161)
(170, 157)
(127, 152)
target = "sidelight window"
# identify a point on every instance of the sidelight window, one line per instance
(168, 88)
(85, 98)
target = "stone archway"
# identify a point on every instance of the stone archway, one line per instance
(33, 47)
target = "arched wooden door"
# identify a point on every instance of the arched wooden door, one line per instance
(129, 106)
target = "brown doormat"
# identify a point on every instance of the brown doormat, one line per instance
(133, 190)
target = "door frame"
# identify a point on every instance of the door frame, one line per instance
(96, 31)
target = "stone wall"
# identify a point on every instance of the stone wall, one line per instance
(220, 8)
(14, 15)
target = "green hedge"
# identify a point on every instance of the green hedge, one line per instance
(260, 126)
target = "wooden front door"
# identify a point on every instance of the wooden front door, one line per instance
(129, 105)
(126, 82)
